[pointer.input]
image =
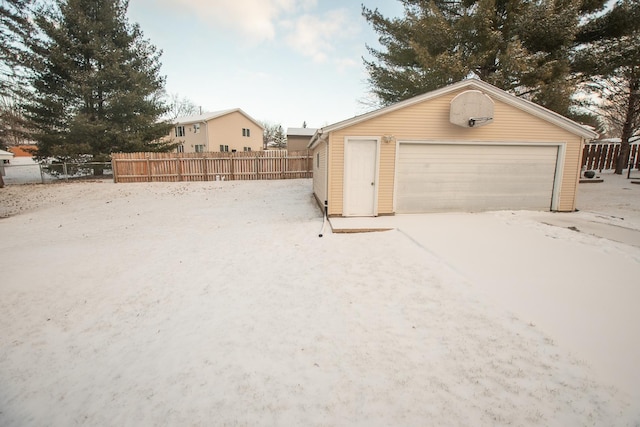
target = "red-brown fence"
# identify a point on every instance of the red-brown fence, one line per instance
(603, 155)
(175, 167)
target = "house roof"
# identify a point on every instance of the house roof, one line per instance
(472, 83)
(301, 131)
(5, 155)
(25, 150)
(205, 117)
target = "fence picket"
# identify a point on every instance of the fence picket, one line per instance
(603, 155)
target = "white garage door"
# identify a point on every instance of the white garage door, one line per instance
(461, 177)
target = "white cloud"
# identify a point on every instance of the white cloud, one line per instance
(344, 63)
(316, 36)
(297, 23)
(253, 19)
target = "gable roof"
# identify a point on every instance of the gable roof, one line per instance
(5, 155)
(472, 83)
(205, 117)
(301, 131)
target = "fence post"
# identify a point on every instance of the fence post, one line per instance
(204, 167)
(113, 169)
(231, 167)
(179, 168)
(257, 173)
(284, 166)
(148, 168)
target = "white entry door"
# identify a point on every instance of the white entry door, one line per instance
(360, 177)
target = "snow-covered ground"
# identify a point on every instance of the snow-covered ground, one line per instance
(217, 304)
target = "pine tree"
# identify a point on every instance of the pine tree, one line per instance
(608, 60)
(518, 45)
(96, 83)
(15, 28)
(279, 137)
(273, 135)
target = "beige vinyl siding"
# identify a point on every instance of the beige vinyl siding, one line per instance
(190, 139)
(320, 173)
(336, 174)
(227, 130)
(429, 120)
(571, 175)
(386, 182)
(385, 177)
(297, 143)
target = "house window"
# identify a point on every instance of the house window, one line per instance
(224, 148)
(246, 132)
(196, 128)
(180, 131)
(199, 148)
(247, 148)
(180, 148)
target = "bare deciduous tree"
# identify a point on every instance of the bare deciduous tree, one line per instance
(180, 107)
(273, 135)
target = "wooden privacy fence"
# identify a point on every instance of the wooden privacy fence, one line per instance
(603, 155)
(174, 167)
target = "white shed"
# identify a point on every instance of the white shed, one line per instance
(5, 156)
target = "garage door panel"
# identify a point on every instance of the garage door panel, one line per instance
(452, 177)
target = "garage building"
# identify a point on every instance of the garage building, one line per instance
(466, 147)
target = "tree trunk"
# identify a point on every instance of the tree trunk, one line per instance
(623, 157)
(627, 129)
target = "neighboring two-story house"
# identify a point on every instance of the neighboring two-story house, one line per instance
(227, 131)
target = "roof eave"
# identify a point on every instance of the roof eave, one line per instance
(527, 106)
(315, 139)
(215, 115)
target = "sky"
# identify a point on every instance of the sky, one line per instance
(282, 62)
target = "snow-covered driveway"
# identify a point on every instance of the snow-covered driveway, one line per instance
(580, 289)
(217, 304)
(574, 275)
